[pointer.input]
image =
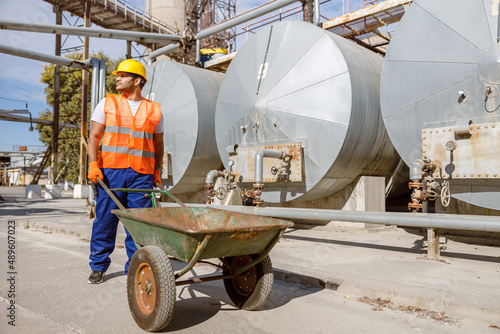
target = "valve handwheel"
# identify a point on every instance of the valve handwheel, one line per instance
(445, 194)
(220, 193)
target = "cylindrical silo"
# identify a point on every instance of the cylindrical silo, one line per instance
(294, 86)
(169, 11)
(188, 96)
(440, 94)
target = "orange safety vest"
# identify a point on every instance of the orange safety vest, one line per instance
(128, 140)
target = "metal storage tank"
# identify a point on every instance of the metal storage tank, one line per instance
(188, 96)
(440, 86)
(296, 87)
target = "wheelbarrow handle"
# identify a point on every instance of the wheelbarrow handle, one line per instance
(120, 205)
(175, 199)
(110, 193)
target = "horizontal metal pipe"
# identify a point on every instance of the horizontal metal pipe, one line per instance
(446, 221)
(14, 111)
(163, 50)
(19, 111)
(30, 54)
(244, 17)
(135, 36)
(23, 119)
(19, 154)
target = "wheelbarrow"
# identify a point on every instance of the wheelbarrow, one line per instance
(241, 242)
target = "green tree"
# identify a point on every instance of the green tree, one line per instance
(70, 111)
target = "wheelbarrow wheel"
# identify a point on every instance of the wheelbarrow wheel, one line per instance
(251, 289)
(151, 288)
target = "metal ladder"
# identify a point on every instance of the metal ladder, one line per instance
(39, 171)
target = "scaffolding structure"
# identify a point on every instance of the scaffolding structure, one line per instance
(115, 14)
(366, 26)
(202, 14)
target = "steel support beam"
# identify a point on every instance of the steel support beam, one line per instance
(85, 97)
(57, 91)
(128, 55)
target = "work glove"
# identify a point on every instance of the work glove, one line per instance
(94, 172)
(157, 173)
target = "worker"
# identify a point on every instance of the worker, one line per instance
(129, 156)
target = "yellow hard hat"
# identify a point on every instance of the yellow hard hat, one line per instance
(132, 66)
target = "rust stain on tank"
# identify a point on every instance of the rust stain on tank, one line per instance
(474, 156)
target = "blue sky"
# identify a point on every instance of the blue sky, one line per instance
(19, 77)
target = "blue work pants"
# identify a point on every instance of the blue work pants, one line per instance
(105, 225)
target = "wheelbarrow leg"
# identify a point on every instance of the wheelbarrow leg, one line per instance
(196, 256)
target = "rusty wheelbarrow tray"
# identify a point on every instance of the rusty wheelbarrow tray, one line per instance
(241, 242)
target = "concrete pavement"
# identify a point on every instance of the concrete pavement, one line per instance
(52, 296)
(386, 263)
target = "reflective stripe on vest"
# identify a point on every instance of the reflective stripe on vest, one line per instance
(139, 153)
(115, 149)
(118, 129)
(143, 135)
(126, 131)
(126, 150)
(128, 140)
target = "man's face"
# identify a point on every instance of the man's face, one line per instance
(124, 82)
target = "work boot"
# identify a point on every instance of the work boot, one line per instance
(96, 277)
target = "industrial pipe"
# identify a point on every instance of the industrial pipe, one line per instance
(259, 162)
(22, 119)
(259, 11)
(198, 47)
(162, 51)
(210, 179)
(102, 80)
(94, 90)
(416, 170)
(30, 54)
(316, 13)
(432, 220)
(244, 17)
(18, 111)
(135, 36)
(209, 185)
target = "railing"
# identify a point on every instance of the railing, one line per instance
(135, 15)
(29, 148)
